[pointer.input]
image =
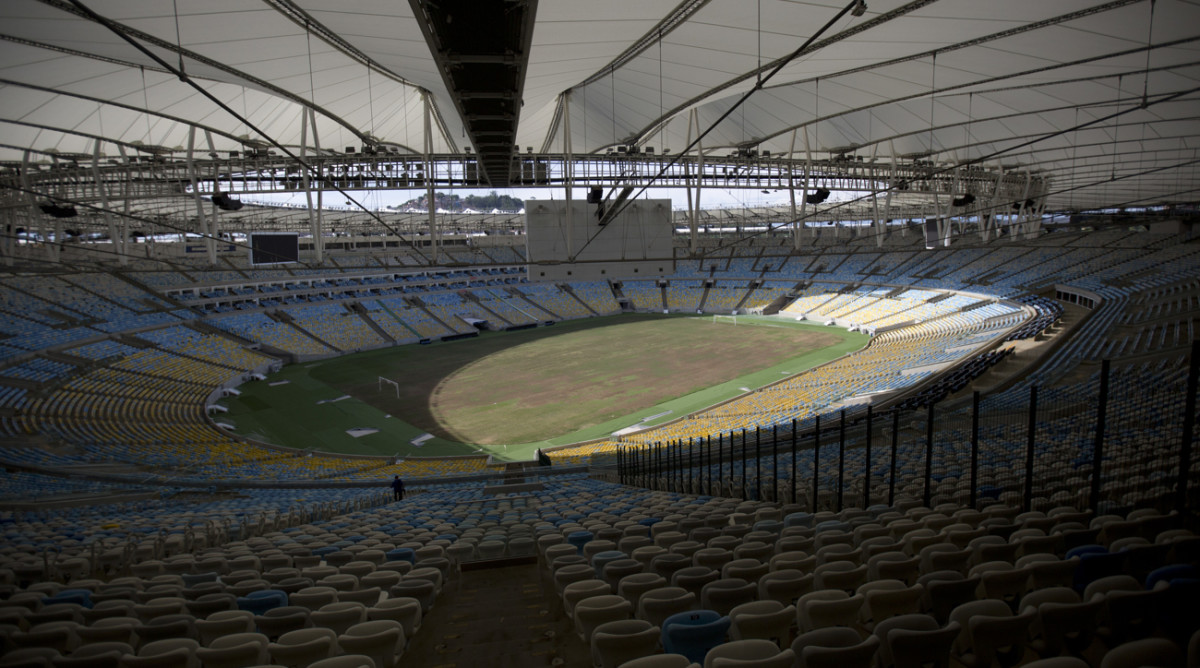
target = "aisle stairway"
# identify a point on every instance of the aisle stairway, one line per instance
(501, 616)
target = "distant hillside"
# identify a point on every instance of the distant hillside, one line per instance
(478, 203)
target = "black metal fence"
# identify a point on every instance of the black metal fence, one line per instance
(1109, 438)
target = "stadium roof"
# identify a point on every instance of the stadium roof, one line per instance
(1100, 97)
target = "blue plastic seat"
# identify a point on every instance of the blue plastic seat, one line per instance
(600, 559)
(799, 520)
(401, 554)
(1171, 573)
(578, 539)
(833, 525)
(259, 602)
(1180, 616)
(81, 596)
(1095, 565)
(694, 633)
(1086, 549)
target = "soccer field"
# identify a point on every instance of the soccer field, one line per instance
(508, 393)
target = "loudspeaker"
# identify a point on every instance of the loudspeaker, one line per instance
(56, 211)
(818, 196)
(930, 233)
(226, 203)
(595, 195)
(964, 200)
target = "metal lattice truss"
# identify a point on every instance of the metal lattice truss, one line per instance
(1069, 105)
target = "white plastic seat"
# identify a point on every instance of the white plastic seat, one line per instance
(827, 607)
(94, 655)
(170, 653)
(1140, 653)
(346, 661)
(989, 629)
(582, 589)
(223, 623)
(749, 654)
(383, 640)
(596, 610)
(842, 575)
(616, 642)
(236, 650)
(910, 641)
(340, 616)
(786, 585)
(725, 594)
(656, 605)
(835, 647)
(765, 620)
(883, 599)
(633, 586)
(303, 646)
(660, 661)
(403, 609)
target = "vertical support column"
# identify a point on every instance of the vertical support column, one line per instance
(214, 226)
(745, 469)
(656, 473)
(201, 219)
(775, 462)
(1015, 228)
(1098, 443)
(987, 223)
(679, 448)
(434, 240)
(928, 457)
(118, 240)
(867, 464)
(974, 448)
(308, 119)
(887, 200)
(791, 167)
(708, 468)
(1027, 497)
(8, 242)
(878, 227)
(816, 488)
(693, 219)
(841, 484)
(895, 448)
(803, 193)
(1034, 225)
(695, 465)
(674, 465)
(568, 174)
(1189, 425)
(699, 181)
(757, 464)
(720, 464)
(35, 212)
(794, 476)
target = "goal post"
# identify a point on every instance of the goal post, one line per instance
(724, 319)
(393, 383)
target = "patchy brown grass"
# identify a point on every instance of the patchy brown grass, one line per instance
(531, 385)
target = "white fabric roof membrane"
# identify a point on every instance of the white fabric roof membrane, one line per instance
(1099, 96)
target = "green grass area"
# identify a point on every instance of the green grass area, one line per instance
(508, 393)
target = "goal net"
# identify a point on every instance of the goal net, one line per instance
(724, 319)
(393, 383)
